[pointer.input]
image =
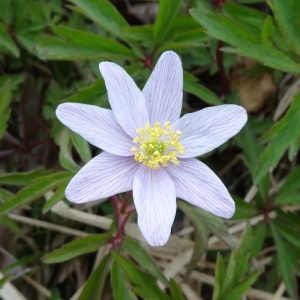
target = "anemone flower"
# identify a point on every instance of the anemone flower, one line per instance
(149, 149)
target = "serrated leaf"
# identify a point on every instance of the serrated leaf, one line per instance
(281, 135)
(34, 191)
(144, 259)
(93, 288)
(77, 247)
(167, 11)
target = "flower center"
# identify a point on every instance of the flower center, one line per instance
(157, 145)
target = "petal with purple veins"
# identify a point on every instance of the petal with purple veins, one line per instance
(204, 130)
(96, 125)
(103, 176)
(199, 185)
(155, 201)
(125, 98)
(163, 90)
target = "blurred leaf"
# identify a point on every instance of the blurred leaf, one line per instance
(90, 94)
(280, 136)
(243, 209)
(144, 259)
(3, 280)
(235, 281)
(7, 42)
(167, 11)
(5, 99)
(24, 178)
(176, 293)
(230, 31)
(290, 188)
(290, 233)
(287, 263)
(145, 285)
(247, 141)
(65, 154)
(93, 288)
(214, 224)
(105, 46)
(35, 190)
(57, 196)
(82, 147)
(192, 86)
(120, 284)
(200, 237)
(103, 13)
(77, 247)
(288, 19)
(259, 234)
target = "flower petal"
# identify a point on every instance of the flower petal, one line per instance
(163, 90)
(208, 128)
(96, 125)
(105, 175)
(125, 98)
(199, 185)
(155, 201)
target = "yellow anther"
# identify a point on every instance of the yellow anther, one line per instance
(156, 146)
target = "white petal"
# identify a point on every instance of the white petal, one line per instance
(155, 201)
(163, 90)
(105, 175)
(199, 185)
(96, 125)
(209, 128)
(125, 98)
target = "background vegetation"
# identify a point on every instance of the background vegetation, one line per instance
(242, 51)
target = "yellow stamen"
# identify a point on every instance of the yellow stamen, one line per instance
(156, 146)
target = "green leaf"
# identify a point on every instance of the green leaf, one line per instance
(243, 209)
(93, 288)
(104, 45)
(5, 99)
(281, 135)
(242, 287)
(65, 154)
(213, 223)
(145, 285)
(120, 285)
(167, 11)
(289, 232)
(144, 259)
(287, 263)
(289, 188)
(176, 293)
(37, 189)
(234, 33)
(81, 146)
(288, 18)
(103, 13)
(219, 277)
(58, 196)
(7, 42)
(200, 237)
(77, 247)
(25, 178)
(192, 86)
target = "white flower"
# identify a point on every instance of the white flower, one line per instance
(149, 149)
